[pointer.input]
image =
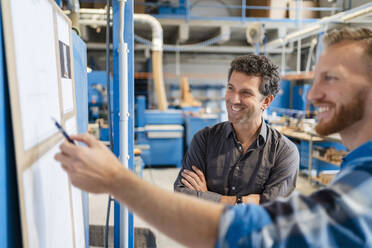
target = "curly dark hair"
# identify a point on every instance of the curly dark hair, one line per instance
(258, 65)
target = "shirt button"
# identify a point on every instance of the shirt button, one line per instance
(233, 188)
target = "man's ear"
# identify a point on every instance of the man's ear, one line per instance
(267, 101)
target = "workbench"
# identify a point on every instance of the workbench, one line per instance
(309, 137)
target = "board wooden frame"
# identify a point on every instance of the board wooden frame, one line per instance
(25, 158)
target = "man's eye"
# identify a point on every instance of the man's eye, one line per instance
(330, 78)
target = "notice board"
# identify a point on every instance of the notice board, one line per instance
(38, 47)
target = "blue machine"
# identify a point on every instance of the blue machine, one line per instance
(195, 123)
(169, 10)
(97, 99)
(282, 99)
(300, 92)
(97, 95)
(163, 132)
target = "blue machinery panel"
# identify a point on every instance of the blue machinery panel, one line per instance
(81, 90)
(163, 132)
(97, 98)
(282, 99)
(195, 123)
(10, 226)
(128, 38)
(300, 92)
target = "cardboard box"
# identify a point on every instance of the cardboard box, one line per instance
(275, 13)
(139, 6)
(305, 14)
(325, 177)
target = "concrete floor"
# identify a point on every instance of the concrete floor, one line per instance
(164, 178)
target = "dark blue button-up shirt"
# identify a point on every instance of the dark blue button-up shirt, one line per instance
(269, 167)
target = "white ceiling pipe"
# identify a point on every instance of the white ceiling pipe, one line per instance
(317, 27)
(157, 56)
(211, 49)
(157, 30)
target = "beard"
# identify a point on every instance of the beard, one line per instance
(346, 115)
(249, 113)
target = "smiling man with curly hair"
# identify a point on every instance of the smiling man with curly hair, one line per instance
(242, 160)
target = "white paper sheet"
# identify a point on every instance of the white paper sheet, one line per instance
(70, 126)
(63, 30)
(77, 201)
(47, 203)
(67, 95)
(78, 216)
(36, 68)
(64, 52)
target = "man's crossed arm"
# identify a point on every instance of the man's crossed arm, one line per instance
(195, 180)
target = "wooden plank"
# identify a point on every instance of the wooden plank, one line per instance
(326, 160)
(299, 76)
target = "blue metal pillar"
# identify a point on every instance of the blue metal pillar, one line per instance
(244, 4)
(10, 224)
(188, 10)
(128, 38)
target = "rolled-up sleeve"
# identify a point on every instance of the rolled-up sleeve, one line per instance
(283, 176)
(336, 216)
(196, 155)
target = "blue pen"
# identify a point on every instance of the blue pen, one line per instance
(60, 128)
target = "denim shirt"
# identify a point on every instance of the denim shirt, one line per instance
(339, 215)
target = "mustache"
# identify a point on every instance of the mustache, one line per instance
(315, 103)
(235, 104)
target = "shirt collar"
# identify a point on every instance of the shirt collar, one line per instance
(229, 129)
(263, 132)
(364, 150)
(262, 136)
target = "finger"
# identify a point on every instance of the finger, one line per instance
(199, 173)
(191, 181)
(187, 184)
(86, 138)
(194, 176)
(68, 149)
(60, 157)
(66, 168)
(67, 163)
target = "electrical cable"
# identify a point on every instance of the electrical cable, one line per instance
(108, 220)
(108, 83)
(108, 87)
